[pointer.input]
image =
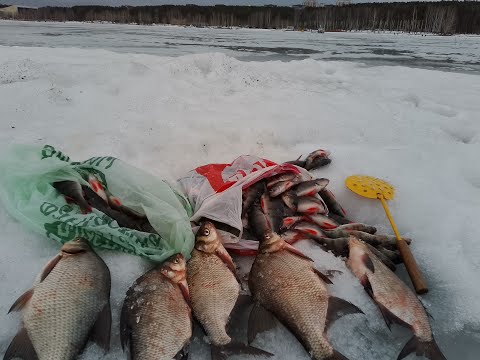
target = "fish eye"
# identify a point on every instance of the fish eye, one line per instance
(206, 232)
(175, 261)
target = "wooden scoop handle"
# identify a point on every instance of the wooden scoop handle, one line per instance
(410, 264)
(412, 267)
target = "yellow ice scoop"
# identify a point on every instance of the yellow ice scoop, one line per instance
(373, 188)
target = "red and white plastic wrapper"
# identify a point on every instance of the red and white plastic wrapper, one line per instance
(215, 192)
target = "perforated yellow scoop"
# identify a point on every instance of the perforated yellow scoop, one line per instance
(373, 188)
(370, 187)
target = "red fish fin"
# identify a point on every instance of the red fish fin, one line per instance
(428, 349)
(295, 251)
(227, 259)
(338, 307)
(185, 292)
(322, 276)
(368, 262)
(260, 320)
(22, 301)
(225, 351)
(114, 202)
(263, 204)
(49, 267)
(100, 333)
(97, 187)
(291, 239)
(21, 347)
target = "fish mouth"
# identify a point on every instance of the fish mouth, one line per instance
(76, 246)
(73, 251)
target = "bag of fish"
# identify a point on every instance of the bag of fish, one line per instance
(253, 196)
(104, 200)
(215, 190)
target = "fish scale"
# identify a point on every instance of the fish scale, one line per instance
(286, 285)
(65, 306)
(159, 317)
(214, 291)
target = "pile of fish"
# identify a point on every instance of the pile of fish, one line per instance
(96, 196)
(299, 207)
(69, 303)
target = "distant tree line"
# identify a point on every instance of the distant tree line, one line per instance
(438, 17)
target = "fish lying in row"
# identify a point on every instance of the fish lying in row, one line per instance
(99, 198)
(156, 320)
(68, 304)
(298, 209)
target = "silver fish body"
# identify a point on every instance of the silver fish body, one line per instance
(68, 304)
(317, 163)
(258, 221)
(395, 300)
(213, 285)
(323, 221)
(310, 187)
(317, 158)
(251, 194)
(282, 186)
(284, 282)
(275, 210)
(156, 321)
(332, 204)
(214, 291)
(279, 178)
(310, 205)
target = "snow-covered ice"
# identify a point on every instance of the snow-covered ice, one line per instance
(451, 53)
(417, 128)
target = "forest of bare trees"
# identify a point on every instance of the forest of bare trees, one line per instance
(438, 17)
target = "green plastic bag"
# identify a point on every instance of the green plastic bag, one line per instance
(26, 175)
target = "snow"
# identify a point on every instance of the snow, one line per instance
(449, 53)
(414, 127)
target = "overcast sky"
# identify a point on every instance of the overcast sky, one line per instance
(160, 2)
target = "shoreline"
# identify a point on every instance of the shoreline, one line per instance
(377, 32)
